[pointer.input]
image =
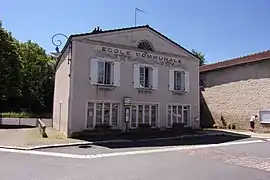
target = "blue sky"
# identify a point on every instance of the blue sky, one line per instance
(218, 28)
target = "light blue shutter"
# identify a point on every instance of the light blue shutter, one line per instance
(155, 78)
(187, 81)
(136, 75)
(171, 79)
(116, 74)
(93, 71)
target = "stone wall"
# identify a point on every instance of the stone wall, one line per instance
(234, 94)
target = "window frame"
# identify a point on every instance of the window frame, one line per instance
(182, 114)
(185, 80)
(150, 75)
(145, 77)
(182, 77)
(150, 104)
(100, 60)
(95, 102)
(182, 85)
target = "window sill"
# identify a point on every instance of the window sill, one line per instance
(105, 86)
(178, 92)
(146, 89)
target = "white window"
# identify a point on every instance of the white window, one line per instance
(178, 114)
(144, 114)
(102, 113)
(104, 72)
(179, 80)
(145, 76)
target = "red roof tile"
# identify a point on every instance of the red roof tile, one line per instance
(237, 61)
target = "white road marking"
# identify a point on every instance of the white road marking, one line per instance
(94, 156)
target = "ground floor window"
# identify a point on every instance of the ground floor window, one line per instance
(143, 114)
(103, 113)
(178, 114)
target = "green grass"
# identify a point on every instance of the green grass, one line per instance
(22, 115)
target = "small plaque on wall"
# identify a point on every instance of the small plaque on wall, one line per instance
(127, 101)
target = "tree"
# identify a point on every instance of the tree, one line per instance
(9, 65)
(37, 77)
(26, 75)
(200, 56)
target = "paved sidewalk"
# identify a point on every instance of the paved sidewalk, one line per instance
(247, 133)
(30, 138)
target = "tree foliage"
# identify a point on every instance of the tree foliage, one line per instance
(199, 55)
(9, 65)
(37, 76)
(26, 75)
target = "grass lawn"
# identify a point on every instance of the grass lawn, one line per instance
(22, 115)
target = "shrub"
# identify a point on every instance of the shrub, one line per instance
(102, 127)
(16, 115)
(178, 128)
(23, 115)
(188, 130)
(144, 126)
(178, 125)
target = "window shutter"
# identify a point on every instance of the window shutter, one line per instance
(136, 79)
(187, 81)
(93, 71)
(155, 78)
(171, 79)
(116, 73)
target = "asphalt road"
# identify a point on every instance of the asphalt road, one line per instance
(234, 162)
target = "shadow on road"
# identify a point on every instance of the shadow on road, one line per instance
(159, 143)
(133, 142)
(15, 126)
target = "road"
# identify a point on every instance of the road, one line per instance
(250, 161)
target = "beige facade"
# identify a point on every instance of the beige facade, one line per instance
(231, 95)
(160, 77)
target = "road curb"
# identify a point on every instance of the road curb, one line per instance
(116, 141)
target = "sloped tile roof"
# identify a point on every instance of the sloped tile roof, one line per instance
(237, 61)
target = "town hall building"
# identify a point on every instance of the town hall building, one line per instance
(125, 77)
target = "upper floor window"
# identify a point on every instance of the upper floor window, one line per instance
(104, 72)
(145, 76)
(179, 80)
(145, 45)
(179, 77)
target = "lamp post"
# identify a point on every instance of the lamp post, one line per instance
(57, 42)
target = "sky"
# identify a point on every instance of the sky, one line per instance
(220, 29)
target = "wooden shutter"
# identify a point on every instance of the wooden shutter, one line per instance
(116, 73)
(187, 81)
(171, 79)
(155, 78)
(93, 71)
(136, 78)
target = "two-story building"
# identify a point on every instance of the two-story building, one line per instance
(97, 71)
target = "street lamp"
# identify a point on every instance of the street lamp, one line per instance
(57, 42)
